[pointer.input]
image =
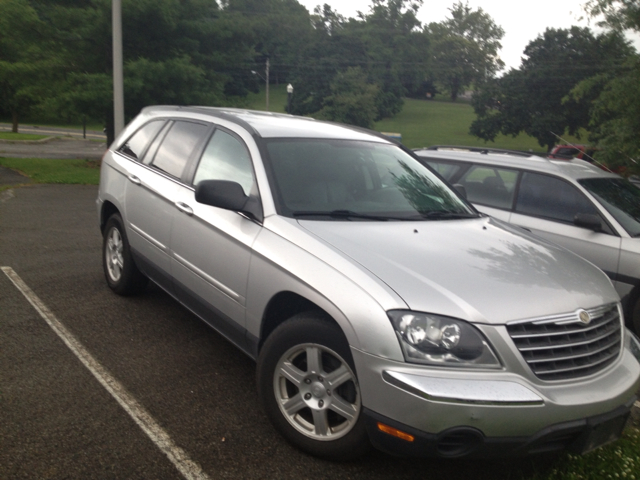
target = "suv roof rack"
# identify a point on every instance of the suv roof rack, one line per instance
(481, 150)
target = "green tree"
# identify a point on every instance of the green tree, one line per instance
(534, 99)
(279, 30)
(386, 44)
(174, 51)
(396, 50)
(27, 59)
(614, 96)
(465, 48)
(617, 14)
(352, 99)
(614, 122)
(332, 48)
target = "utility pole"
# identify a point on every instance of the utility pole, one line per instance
(118, 83)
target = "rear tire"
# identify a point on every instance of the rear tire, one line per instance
(120, 271)
(309, 389)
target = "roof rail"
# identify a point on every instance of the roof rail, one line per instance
(482, 150)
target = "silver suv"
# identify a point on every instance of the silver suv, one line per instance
(379, 305)
(572, 203)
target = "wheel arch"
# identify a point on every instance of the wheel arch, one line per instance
(629, 302)
(108, 209)
(282, 307)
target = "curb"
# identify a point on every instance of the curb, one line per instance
(29, 142)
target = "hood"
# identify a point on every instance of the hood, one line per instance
(480, 270)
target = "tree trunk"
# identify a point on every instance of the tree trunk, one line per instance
(455, 89)
(14, 121)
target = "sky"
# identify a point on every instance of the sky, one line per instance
(521, 21)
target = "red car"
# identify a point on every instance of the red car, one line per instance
(583, 152)
(567, 152)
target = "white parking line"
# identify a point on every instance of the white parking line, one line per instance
(187, 467)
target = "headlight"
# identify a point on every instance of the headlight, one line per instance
(436, 340)
(632, 343)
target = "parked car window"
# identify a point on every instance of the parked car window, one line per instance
(445, 169)
(490, 186)
(226, 158)
(177, 147)
(550, 197)
(136, 145)
(621, 199)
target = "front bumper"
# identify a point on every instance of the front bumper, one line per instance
(579, 436)
(480, 411)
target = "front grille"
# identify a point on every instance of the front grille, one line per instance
(563, 347)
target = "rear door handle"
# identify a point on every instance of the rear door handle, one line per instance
(135, 180)
(184, 208)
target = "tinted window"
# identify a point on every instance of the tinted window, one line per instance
(136, 145)
(177, 147)
(226, 158)
(550, 197)
(490, 186)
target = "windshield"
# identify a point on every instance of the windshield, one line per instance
(353, 180)
(621, 199)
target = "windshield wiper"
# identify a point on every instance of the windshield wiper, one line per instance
(348, 214)
(444, 215)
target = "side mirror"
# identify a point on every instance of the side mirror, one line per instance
(461, 190)
(221, 194)
(588, 220)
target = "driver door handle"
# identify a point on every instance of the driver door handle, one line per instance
(135, 180)
(184, 208)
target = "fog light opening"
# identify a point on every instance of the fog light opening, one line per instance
(459, 441)
(394, 432)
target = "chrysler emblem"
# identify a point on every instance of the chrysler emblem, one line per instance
(584, 316)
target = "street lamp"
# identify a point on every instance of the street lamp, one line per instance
(289, 94)
(266, 80)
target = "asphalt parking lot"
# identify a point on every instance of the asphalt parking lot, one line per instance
(59, 422)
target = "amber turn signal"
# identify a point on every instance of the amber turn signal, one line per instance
(395, 432)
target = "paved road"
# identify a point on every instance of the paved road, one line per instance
(56, 131)
(58, 422)
(65, 143)
(56, 148)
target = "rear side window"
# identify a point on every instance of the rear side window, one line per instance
(176, 148)
(490, 186)
(136, 146)
(550, 197)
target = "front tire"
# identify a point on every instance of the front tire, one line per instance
(120, 271)
(309, 389)
(635, 316)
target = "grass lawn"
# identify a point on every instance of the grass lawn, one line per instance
(20, 136)
(50, 170)
(619, 461)
(277, 99)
